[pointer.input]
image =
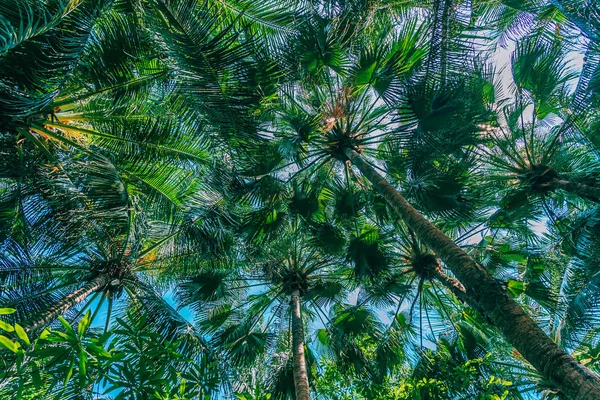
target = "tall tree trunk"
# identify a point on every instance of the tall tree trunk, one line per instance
(574, 380)
(63, 305)
(579, 189)
(300, 372)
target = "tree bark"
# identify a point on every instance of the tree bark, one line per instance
(63, 305)
(300, 372)
(573, 379)
(580, 189)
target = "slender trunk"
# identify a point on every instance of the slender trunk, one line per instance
(300, 372)
(580, 189)
(63, 305)
(574, 380)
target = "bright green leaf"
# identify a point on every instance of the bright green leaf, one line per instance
(7, 343)
(66, 325)
(6, 327)
(22, 334)
(84, 324)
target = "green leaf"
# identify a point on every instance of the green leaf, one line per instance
(6, 327)
(539, 267)
(82, 367)
(38, 143)
(70, 373)
(84, 324)
(45, 333)
(323, 336)
(99, 350)
(18, 349)
(22, 334)
(402, 320)
(489, 92)
(7, 343)
(67, 326)
(514, 257)
(365, 74)
(5, 311)
(36, 378)
(271, 217)
(515, 287)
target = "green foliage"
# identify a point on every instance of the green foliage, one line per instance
(191, 157)
(82, 361)
(460, 381)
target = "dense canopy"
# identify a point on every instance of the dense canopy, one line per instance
(299, 199)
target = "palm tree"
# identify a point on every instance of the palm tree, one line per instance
(290, 266)
(83, 162)
(521, 331)
(252, 310)
(45, 281)
(115, 106)
(530, 156)
(354, 110)
(90, 254)
(573, 321)
(343, 222)
(147, 141)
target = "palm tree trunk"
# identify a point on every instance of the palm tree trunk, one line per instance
(63, 305)
(574, 380)
(580, 189)
(300, 372)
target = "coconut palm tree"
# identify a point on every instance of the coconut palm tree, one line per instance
(84, 161)
(44, 281)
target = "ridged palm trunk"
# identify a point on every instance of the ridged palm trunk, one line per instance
(579, 189)
(574, 380)
(33, 326)
(300, 371)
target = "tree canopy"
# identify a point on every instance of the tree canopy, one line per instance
(299, 199)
